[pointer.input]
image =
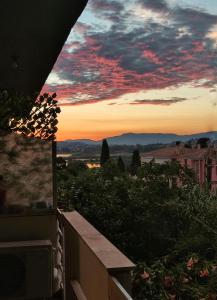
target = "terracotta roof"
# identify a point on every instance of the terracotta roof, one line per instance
(180, 152)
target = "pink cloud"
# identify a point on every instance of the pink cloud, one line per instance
(104, 70)
(151, 56)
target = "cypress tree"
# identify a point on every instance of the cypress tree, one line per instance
(135, 163)
(105, 154)
(60, 163)
(121, 165)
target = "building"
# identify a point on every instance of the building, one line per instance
(43, 249)
(202, 160)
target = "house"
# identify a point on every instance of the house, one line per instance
(202, 160)
(44, 250)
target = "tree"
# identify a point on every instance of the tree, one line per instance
(178, 143)
(203, 142)
(105, 153)
(170, 232)
(121, 165)
(135, 163)
(110, 170)
(60, 163)
(76, 167)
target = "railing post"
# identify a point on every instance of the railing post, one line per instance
(70, 260)
(125, 279)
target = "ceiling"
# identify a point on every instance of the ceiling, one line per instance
(32, 34)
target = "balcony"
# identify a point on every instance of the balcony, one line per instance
(86, 265)
(93, 268)
(51, 250)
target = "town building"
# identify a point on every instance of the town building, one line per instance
(203, 161)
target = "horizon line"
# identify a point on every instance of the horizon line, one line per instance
(124, 133)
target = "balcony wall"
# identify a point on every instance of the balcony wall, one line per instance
(93, 268)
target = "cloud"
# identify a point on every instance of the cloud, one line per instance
(199, 22)
(155, 5)
(113, 103)
(77, 103)
(133, 55)
(81, 27)
(108, 9)
(106, 5)
(165, 102)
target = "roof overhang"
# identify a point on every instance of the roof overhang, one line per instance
(32, 34)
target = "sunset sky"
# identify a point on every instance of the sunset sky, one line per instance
(138, 66)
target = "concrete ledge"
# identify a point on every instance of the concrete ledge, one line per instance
(109, 255)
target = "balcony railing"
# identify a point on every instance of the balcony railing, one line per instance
(93, 268)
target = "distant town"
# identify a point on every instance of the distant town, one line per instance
(197, 152)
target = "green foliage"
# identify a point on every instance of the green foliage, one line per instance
(172, 172)
(160, 218)
(76, 167)
(110, 170)
(105, 154)
(135, 163)
(142, 211)
(60, 163)
(191, 278)
(203, 142)
(121, 165)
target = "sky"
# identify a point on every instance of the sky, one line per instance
(138, 66)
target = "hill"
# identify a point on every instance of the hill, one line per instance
(140, 138)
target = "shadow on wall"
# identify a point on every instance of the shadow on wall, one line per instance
(26, 174)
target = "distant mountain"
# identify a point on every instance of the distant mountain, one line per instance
(141, 138)
(156, 138)
(81, 141)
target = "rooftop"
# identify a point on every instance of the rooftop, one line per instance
(181, 152)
